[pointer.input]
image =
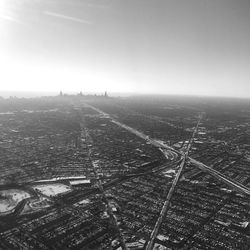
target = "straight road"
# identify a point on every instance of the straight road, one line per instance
(165, 207)
(160, 145)
(233, 184)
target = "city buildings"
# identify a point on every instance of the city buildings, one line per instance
(75, 178)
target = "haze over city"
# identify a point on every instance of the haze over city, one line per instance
(124, 124)
(195, 47)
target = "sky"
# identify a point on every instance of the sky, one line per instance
(186, 47)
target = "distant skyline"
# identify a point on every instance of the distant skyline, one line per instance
(186, 47)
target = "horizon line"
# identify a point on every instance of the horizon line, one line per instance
(43, 93)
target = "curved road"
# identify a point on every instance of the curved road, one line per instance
(233, 184)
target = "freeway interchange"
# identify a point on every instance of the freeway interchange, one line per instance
(181, 157)
(163, 147)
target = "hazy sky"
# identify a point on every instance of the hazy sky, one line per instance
(158, 46)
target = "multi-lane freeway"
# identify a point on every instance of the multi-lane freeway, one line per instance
(232, 184)
(177, 156)
(165, 207)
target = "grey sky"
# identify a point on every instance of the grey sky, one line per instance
(159, 46)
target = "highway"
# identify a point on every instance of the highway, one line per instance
(183, 155)
(177, 157)
(232, 184)
(153, 142)
(165, 207)
(166, 204)
(190, 143)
